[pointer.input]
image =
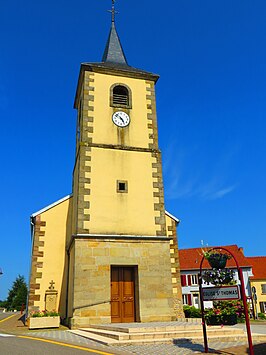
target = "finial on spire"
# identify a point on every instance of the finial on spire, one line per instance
(113, 11)
(113, 52)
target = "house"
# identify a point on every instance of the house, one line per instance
(190, 260)
(108, 252)
(258, 282)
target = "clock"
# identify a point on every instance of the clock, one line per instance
(121, 119)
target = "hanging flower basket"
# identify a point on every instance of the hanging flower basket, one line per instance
(219, 276)
(217, 260)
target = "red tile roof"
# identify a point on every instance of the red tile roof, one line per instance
(258, 264)
(190, 259)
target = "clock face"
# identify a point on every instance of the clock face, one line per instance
(121, 119)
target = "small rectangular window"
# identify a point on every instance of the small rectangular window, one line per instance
(194, 279)
(263, 288)
(122, 186)
(263, 307)
(187, 299)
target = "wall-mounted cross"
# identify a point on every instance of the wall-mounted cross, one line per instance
(51, 287)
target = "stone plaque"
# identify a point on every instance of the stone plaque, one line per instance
(51, 298)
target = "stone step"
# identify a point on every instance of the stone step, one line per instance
(147, 329)
(97, 338)
(107, 333)
(189, 320)
(194, 339)
(169, 334)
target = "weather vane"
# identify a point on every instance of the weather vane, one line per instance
(113, 11)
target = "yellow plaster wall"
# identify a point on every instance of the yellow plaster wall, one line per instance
(104, 131)
(121, 213)
(54, 260)
(261, 297)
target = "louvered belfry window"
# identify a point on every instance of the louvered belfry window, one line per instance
(120, 96)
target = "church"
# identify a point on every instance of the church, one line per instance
(108, 252)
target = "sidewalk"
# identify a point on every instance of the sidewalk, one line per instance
(15, 325)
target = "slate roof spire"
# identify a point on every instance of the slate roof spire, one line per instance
(113, 52)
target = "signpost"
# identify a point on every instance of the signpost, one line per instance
(220, 293)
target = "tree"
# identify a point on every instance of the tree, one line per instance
(17, 296)
(3, 304)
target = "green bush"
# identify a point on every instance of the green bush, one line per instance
(262, 316)
(232, 307)
(192, 312)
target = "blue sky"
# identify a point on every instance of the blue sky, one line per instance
(211, 105)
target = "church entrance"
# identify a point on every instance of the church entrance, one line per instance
(122, 294)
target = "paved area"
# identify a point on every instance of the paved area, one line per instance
(15, 326)
(189, 348)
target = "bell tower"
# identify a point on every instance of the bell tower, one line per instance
(119, 252)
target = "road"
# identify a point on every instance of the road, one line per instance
(5, 315)
(23, 344)
(259, 328)
(18, 345)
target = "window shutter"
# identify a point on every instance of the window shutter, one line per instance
(189, 280)
(183, 280)
(189, 300)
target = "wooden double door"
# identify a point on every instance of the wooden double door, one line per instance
(122, 294)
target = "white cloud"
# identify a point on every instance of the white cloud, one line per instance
(220, 193)
(207, 183)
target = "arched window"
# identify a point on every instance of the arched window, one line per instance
(120, 96)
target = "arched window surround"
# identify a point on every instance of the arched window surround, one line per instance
(129, 103)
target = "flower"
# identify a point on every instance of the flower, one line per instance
(219, 277)
(224, 313)
(215, 252)
(44, 313)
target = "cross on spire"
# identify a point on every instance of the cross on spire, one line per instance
(113, 52)
(113, 11)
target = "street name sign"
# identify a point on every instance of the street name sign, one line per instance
(220, 293)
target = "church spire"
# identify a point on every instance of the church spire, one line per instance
(113, 52)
